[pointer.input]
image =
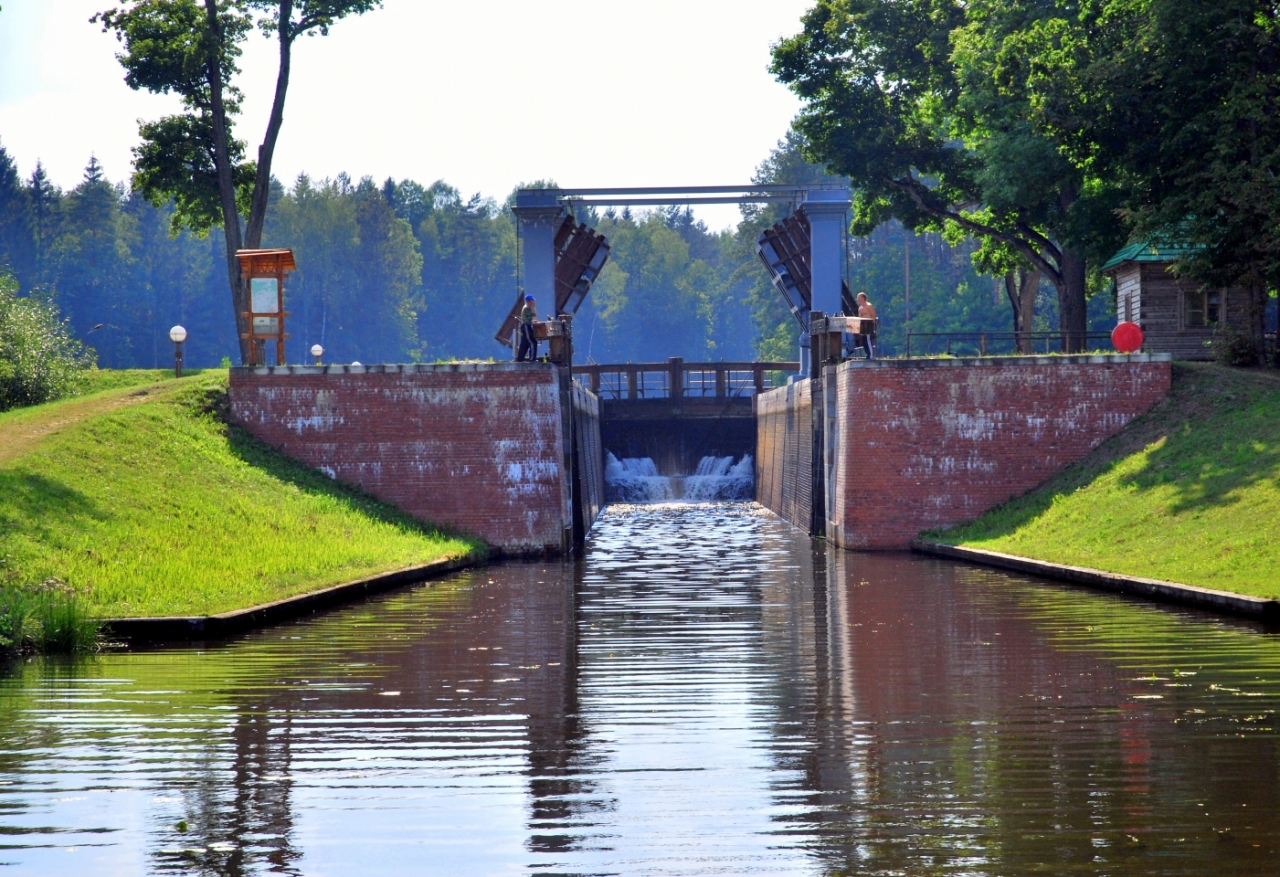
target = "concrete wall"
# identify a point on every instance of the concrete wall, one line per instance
(784, 452)
(477, 447)
(912, 445)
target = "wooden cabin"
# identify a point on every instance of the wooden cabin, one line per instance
(1178, 315)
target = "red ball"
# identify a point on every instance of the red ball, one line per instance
(1127, 337)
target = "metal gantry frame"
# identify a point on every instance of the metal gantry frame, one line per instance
(819, 208)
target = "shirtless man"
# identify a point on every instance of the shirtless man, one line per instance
(867, 311)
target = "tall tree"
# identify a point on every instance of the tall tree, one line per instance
(903, 98)
(43, 199)
(189, 48)
(14, 232)
(93, 280)
(1179, 98)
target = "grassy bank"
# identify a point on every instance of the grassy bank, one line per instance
(1188, 493)
(141, 500)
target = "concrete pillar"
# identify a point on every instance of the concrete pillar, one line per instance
(539, 213)
(825, 209)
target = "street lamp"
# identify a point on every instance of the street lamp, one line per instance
(317, 351)
(177, 335)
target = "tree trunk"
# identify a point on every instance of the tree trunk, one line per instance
(266, 152)
(1072, 315)
(1021, 285)
(1258, 317)
(226, 182)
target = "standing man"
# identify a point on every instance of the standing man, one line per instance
(528, 349)
(867, 311)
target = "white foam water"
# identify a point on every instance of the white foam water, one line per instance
(636, 480)
(717, 479)
(720, 479)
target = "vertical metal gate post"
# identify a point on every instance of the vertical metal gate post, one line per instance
(817, 414)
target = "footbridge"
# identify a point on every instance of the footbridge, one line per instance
(676, 412)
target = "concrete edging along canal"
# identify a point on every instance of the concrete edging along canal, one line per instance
(224, 624)
(1155, 589)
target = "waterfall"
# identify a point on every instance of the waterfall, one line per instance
(717, 479)
(636, 480)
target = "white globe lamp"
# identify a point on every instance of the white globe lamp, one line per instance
(177, 335)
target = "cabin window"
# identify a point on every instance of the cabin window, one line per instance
(1128, 308)
(1212, 307)
(1202, 308)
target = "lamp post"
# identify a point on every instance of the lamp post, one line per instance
(177, 335)
(317, 351)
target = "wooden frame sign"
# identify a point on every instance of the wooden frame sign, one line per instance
(263, 271)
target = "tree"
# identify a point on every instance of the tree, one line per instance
(14, 234)
(1178, 97)
(189, 48)
(469, 271)
(93, 280)
(44, 200)
(908, 101)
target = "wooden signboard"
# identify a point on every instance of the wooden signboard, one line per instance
(264, 271)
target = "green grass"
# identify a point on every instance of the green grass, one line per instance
(45, 618)
(147, 504)
(1188, 493)
(98, 380)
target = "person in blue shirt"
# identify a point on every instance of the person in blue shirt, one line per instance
(528, 349)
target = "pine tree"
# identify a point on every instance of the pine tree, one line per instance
(43, 205)
(14, 241)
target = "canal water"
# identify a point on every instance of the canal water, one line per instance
(707, 691)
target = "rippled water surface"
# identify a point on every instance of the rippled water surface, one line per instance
(706, 692)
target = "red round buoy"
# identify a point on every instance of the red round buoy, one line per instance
(1127, 337)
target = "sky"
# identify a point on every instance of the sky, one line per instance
(484, 94)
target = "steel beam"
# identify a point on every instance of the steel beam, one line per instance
(698, 190)
(692, 199)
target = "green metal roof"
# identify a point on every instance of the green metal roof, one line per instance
(1144, 252)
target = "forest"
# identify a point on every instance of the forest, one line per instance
(999, 154)
(405, 272)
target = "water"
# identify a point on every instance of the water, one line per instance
(717, 479)
(717, 697)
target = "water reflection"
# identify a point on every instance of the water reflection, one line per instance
(706, 692)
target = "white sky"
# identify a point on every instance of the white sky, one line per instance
(484, 94)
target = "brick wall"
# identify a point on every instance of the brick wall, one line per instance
(933, 443)
(473, 446)
(912, 445)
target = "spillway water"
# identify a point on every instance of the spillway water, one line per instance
(716, 479)
(706, 691)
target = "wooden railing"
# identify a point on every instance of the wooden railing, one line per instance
(678, 379)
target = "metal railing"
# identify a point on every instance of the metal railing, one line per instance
(676, 378)
(992, 343)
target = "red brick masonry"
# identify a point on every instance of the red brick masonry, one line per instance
(933, 443)
(473, 446)
(924, 443)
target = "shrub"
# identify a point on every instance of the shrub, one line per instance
(1232, 347)
(39, 360)
(44, 618)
